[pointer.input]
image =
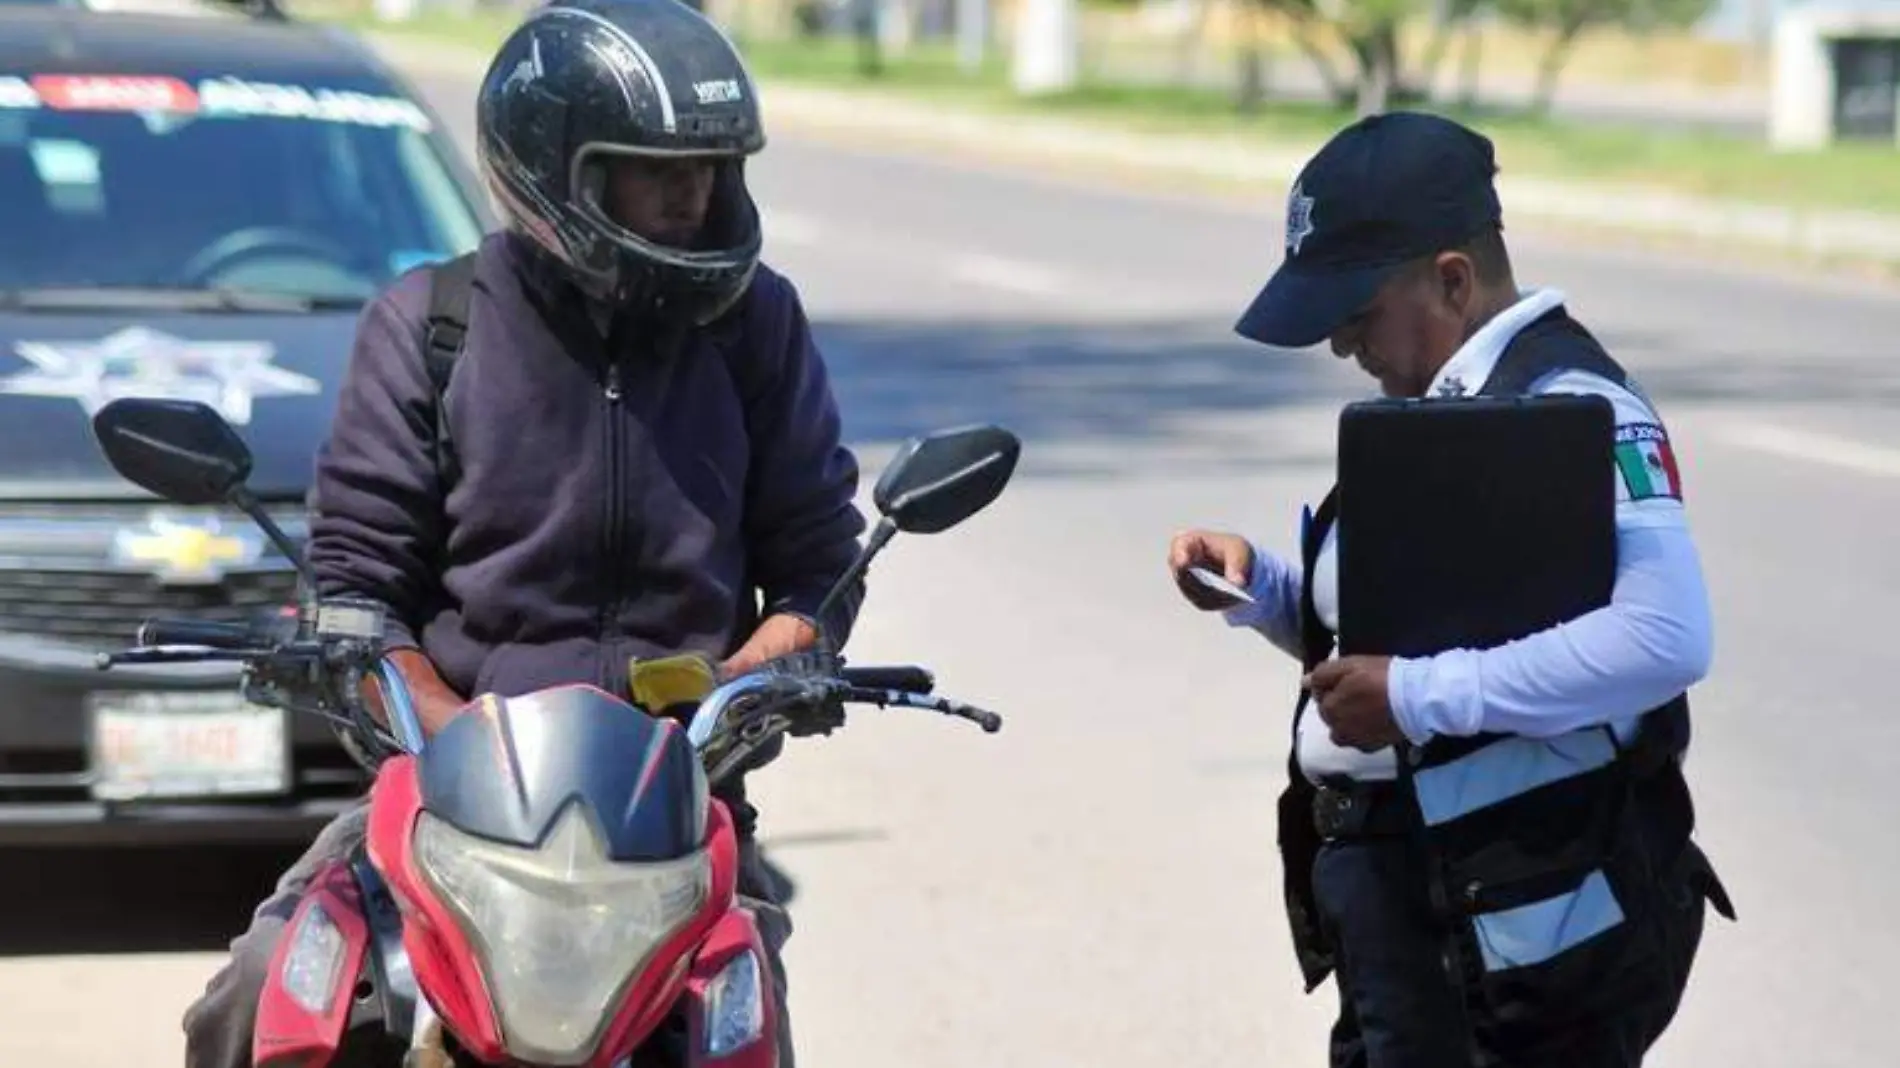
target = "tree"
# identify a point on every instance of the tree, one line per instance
(1452, 17)
(1369, 30)
(1568, 20)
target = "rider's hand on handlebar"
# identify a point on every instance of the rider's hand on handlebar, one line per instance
(1228, 555)
(780, 635)
(436, 702)
(805, 664)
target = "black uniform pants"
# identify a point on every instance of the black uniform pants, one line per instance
(1397, 966)
(218, 1025)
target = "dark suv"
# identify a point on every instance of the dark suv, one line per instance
(191, 205)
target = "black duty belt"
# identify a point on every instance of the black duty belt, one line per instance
(1348, 809)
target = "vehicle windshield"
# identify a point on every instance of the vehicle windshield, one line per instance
(318, 191)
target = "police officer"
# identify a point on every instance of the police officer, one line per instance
(1489, 849)
(637, 432)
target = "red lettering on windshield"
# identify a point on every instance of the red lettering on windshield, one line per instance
(113, 92)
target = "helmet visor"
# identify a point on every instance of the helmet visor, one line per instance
(683, 209)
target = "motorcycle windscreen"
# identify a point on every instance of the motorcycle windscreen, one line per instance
(504, 770)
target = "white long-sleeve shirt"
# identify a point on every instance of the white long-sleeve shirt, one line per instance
(1608, 666)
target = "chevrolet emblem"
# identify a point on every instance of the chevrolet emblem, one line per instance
(184, 552)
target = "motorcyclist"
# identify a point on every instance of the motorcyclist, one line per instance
(642, 431)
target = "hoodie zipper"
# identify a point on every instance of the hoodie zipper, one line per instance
(614, 532)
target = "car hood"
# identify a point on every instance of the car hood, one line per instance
(273, 377)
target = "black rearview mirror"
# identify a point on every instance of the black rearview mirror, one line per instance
(183, 451)
(933, 483)
(939, 480)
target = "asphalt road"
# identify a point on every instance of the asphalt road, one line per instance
(1097, 885)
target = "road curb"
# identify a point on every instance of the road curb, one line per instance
(1811, 232)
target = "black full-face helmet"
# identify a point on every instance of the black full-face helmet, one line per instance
(581, 82)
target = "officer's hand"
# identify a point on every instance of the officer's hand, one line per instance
(1350, 693)
(1227, 555)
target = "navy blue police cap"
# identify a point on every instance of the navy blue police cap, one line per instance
(1384, 191)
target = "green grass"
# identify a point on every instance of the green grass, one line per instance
(1714, 164)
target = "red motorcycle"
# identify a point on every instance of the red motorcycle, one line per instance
(549, 880)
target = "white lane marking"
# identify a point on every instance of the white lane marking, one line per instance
(1013, 276)
(789, 228)
(1817, 448)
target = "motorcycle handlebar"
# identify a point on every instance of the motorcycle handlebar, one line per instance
(910, 686)
(201, 632)
(770, 698)
(400, 705)
(817, 689)
(907, 677)
(982, 717)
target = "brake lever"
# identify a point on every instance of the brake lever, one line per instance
(173, 654)
(989, 721)
(982, 717)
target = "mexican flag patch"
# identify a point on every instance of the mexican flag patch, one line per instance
(1647, 462)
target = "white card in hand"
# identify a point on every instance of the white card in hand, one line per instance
(1216, 582)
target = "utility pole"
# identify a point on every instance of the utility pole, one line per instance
(1048, 35)
(973, 34)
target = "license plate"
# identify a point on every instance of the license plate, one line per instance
(186, 744)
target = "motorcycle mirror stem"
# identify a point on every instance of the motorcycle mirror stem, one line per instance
(881, 535)
(241, 498)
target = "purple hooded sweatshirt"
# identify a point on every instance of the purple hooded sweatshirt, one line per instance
(618, 496)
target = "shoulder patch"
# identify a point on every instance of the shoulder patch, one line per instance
(1646, 461)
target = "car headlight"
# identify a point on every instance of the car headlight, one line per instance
(735, 1006)
(557, 931)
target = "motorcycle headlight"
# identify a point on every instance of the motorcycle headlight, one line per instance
(558, 930)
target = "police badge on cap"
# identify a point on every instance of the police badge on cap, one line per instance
(1299, 218)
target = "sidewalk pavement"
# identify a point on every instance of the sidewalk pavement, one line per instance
(1813, 232)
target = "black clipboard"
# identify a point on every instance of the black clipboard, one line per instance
(1472, 522)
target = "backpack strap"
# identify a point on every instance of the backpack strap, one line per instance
(451, 289)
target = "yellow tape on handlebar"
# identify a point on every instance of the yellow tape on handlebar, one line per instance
(670, 681)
